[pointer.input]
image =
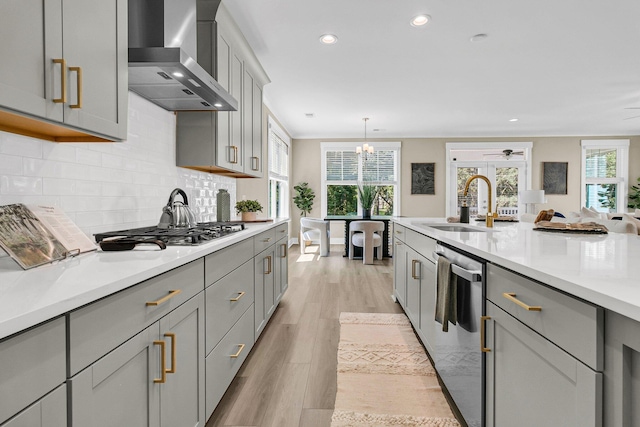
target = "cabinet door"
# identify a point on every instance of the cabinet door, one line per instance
(119, 389)
(282, 269)
(50, 411)
(400, 272)
(256, 164)
(413, 273)
(264, 288)
(530, 382)
(247, 121)
(95, 48)
(427, 303)
(29, 79)
(182, 396)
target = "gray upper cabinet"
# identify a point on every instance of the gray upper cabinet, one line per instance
(57, 83)
(225, 142)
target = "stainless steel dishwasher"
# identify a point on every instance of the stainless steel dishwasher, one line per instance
(458, 356)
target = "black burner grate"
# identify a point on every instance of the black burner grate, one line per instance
(203, 233)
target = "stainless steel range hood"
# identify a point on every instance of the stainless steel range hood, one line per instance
(162, 58)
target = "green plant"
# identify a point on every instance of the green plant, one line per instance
(248, 206)
(304, 198)
(634, 196)
(367, 194)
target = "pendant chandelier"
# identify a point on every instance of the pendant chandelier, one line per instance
(365, 148)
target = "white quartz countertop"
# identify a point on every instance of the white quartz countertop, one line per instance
(602, 269)
(30, 297)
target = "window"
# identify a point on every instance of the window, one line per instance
(278, 171)
(605, 170)
(343, 170)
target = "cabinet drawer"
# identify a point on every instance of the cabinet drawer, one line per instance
(222, 311)
(399, 232)
(31, 365)
(98, 328)
(263, 240)
(572, 324)
(221, 263)
(282, 230)
(50, 411)
(422, 244)
(221, 366)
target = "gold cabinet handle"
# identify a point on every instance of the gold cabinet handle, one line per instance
(414, 262)
(268, 258)
(512, 297)
(165, 298)
(398, 243)
(63, 81)
(256, 161)
(78, 103)
(284, 251)
(234, 150)
(240, 295)
(398, 232)
(483, 319)
(240, 348)
(173, 352)
(267, 240)
(283, 231)
(163, 362)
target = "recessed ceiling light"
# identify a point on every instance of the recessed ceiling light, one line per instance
(513, 120)
(478, 38)
(217, 105)
(420, 20)
(309, 115)
(177, 74)
(328, 39)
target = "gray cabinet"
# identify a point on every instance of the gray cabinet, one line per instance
(282, 261)
(399, 265)
(265, 289)
(53, 84)
(33, 363)
(252, 123)
(153, 379)
(622, 371)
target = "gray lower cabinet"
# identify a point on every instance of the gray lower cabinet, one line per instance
(531, 382)
(427, 329)
(265, 288)
(622, 371)
(413, 276)
(282, 261)
(156, 378)
(400, 270)
(50, 71)
(33, 369)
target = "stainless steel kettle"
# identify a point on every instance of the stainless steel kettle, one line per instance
(177, 214)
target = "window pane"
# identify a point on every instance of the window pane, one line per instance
(383, 204)
(379, 166)
(472, 195)
(342, 200)
(601, 163)
(342, 166)
(602, 197)
(507, 188)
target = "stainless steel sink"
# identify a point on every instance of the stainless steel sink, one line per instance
(454, 227)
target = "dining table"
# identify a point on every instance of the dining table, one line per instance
(386, 252)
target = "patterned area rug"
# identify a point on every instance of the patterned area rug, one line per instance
(385, 377)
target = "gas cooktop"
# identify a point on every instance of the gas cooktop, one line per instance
(202, 233)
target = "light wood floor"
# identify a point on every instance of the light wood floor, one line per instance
(289, 378)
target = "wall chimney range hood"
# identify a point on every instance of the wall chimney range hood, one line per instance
(162, 58)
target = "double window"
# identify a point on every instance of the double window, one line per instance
(605, 170)
(343, 170)
(278, 171)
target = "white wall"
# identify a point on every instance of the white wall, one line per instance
(110, 186)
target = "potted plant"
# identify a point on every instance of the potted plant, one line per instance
(634, 196)
(304, 198)
(248, 209)
(367, 194)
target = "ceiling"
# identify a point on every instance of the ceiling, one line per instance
(569, 67)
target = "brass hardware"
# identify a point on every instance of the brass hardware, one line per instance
(234, 149)
(399, 243)
(165, 298)
(240, 295)
(490, 215)
(482, 332)
(240, 348)
(78, 103)
(414, 262)
(257, 163)
(267, 240)
(269, 264)
(512, 297)
(284, 251)
(173, 352)
(163, 362)
(63, 81)
(398, 232)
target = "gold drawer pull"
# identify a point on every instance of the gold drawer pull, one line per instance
(413, 268)
(267, 240)
(78, 103)
(173, 352)
(234, 150)
(482, 332)
(512, 297)
(284, 251)
(398, 243)
(165, 298)
(283, 231)
(240, 348)
(268, 258)
(63, 81)
(255, 161)
(240, 295)
(163, 362)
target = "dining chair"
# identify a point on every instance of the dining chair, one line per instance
(314, 229)
(367, 235)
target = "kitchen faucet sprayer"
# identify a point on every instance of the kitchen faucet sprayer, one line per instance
(490, 215)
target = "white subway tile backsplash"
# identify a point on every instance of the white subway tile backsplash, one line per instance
(105, 187)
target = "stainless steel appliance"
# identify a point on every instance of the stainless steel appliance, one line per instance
(202, 233)
(458, 356)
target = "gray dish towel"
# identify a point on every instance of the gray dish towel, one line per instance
(446, 295)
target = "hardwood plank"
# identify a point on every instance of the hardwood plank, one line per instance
(219, 416)
(322, 384)
(301, 348)
(316, 417)
(285, 406)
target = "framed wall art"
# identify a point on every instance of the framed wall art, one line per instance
(554, 177)
(423, 178)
